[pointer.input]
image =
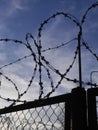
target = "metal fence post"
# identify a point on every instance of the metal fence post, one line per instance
(79, 117)
(67, 115)
(92, 112)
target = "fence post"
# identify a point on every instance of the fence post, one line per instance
(79, 117)
(92, 112)
(67, 115)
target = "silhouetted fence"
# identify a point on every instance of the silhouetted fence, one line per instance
(44, 114)
(77, 110)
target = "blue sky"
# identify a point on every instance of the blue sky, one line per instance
(17, 18)
(27, 15)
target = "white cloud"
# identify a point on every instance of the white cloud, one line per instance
(16, 5)
(8, 10)
(19, 4)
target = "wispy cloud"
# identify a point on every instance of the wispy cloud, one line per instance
(18, 5)
(8, 10)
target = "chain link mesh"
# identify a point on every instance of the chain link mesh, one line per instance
(42, 118)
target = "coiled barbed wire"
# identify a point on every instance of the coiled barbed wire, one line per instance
(94, 5)
(41, 62)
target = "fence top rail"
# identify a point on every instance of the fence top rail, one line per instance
(37, 103)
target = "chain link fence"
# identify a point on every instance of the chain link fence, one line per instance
(43, 118)
(47, 114)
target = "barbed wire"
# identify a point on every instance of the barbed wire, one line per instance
(40, 29)
(40, 62)
(89, 49)
(25, 57)
(63, 75)
(87, 11)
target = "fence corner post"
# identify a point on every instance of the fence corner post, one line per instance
(79, 117)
